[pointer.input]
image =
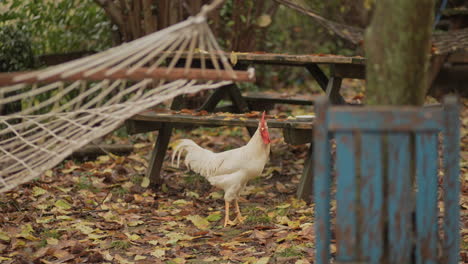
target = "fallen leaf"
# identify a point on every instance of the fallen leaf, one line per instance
(61, 254)
(281, 187)
(49, 173)
(233, 58)
(199, 221)
(26, 231)
(37, 191)
(214, 217)
(332, 248)
(103, 159)
(62, 204)
(45, 219)
(135, 223)
(158, 253)
(145, 182)
(121, 260)
(153, 242)
(263, 260)
(264, 20)
(84, 228)
(192, 194)
(52, 241)
(133, 237)
(261, 235)
(174, 237)
(215, 195)
(180, 202)
(178, 261)
(139, 257)
(4, 236)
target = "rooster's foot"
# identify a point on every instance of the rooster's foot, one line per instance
(229, 222)
(240, 219)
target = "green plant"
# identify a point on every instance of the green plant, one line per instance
(50, 233)
(194, 179)
(59, 26)
(290, 252)
(16, 53)
(86, 184)
(119, 191)
(120, 244)
(256, 216)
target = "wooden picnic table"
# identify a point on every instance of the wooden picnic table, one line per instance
(295, 131)
(340, 67)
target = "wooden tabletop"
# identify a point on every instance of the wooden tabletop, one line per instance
(282, 58)
(296, 59)
(225, 119)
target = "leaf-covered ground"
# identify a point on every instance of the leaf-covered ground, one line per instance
(99, 210)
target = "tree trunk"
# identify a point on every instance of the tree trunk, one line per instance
(397, 45)
(137, 18)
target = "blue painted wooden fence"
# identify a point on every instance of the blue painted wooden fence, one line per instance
(386, 206)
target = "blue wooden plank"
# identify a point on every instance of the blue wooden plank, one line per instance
(346, 200)
(322, 182)
(426, 198)
(399, 198)
(386, 119)
(371, 198)
(451, 183)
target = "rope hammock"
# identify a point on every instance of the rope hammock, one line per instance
(60, 109)
(442, 42)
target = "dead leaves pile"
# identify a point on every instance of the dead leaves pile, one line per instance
(101, 211)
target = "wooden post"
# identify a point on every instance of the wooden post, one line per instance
(322, 182)
(451, 184)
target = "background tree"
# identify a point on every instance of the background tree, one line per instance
(240, 24)
(397, 45)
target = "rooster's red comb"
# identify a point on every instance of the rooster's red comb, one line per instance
(263, 117)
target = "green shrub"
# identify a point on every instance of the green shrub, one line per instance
(16, 53)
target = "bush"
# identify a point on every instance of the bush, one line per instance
(59, 26)
(16, 53)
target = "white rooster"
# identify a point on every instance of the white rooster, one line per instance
(229, 170)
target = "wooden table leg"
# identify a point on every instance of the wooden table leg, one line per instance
(330, 85)
(160, 147)
(157, 157)
(239, 103)
(318, 75)
(333, 91)
(306, 185)
(213, 100)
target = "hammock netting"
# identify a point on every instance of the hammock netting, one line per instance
(60, 109)
(443, 42)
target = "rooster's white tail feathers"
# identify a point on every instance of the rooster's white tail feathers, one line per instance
(198, 159)
(181, 146)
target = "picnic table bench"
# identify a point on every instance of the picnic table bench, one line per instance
(294, 131)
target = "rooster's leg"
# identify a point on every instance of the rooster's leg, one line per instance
(239, 217)
(226, 218)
